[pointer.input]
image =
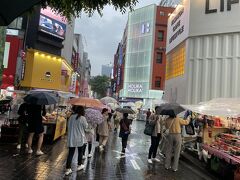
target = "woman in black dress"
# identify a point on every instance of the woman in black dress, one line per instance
(35, 126)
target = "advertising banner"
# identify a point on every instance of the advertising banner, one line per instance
(76, 60)
(73, 82)
(52, 23)
(178, 25)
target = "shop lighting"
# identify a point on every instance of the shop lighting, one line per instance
(48, 57)
(36, 53)
(43, 55)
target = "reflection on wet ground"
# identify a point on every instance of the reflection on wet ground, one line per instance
(102, 166)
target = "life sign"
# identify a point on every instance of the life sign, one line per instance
(221, 8)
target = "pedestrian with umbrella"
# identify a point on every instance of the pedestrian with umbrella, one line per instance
(94, 117)
(173, 132)
(77, 125)
(125, 126)
(125, 130)
(36, 111)
(103, 130)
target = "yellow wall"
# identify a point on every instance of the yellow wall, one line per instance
(176, 62)
(37, 64)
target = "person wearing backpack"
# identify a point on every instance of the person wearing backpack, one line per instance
(154, 120)
(173, 124)
(125, 130)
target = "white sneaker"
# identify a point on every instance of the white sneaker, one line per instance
(26, 145)
(39, 153)
(30, 151)
(156, 159)
(150, 161)
(83, 157)
(68, 171)
(80, 167)
(90, 155)
(19, 146)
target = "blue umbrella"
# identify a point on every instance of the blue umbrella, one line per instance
(40, 98)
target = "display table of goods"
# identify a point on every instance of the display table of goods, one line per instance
(226, 146)
(55, 125)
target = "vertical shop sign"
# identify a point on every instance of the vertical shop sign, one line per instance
(119, 76)
(73, 82)
(76, 57)
(2, 48)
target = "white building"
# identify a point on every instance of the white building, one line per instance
(203, 51)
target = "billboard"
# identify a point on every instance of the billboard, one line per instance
(52, 23)
(178, 26)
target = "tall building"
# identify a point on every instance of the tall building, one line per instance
(85, 76)
(144, 69)
(118, 65)
(107, 70)
(203, 52)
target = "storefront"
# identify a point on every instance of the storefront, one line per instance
(45, 71)
(215, 135)
(203, 51)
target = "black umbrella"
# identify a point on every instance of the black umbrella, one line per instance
(171, 109)
(11, 9)
(125, 110)
(40, 98)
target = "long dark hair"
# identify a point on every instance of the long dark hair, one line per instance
(125, 115)
(79, 110)
(104, 110)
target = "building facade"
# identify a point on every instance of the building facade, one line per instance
(107, 70)
(203, 52)
(118, 66)
(144, 70)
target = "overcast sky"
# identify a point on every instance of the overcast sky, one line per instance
(102, 34)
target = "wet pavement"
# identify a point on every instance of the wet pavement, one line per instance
(107, 165)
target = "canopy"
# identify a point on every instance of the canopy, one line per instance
(11, 9)
(224, 107)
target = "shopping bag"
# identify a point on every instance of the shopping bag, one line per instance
(149, 128)
(190, 129)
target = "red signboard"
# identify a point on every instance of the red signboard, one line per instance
(76, 58)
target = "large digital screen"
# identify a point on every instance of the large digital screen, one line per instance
(52, 23)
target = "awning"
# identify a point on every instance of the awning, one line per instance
(11, 9)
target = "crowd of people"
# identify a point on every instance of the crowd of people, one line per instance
(81, 134)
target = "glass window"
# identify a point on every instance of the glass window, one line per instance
(159, 57)
(158, 82)
(162, 13)
(160, 35)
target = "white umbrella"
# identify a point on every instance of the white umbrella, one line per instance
(113, 106)
(108, 99)
(225, 107)
(130, 104)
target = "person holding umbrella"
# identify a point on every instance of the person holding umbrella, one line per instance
(125, 130)
(103, 129)
(155, 137)
(77, 125)
(36, 113)
(173, 124)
